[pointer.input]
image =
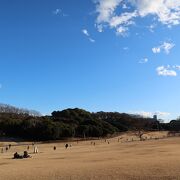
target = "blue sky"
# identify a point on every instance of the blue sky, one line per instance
(110, 55)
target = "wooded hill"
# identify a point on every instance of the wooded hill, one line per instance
(73, 123)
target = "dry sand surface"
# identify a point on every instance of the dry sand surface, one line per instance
(150, 159)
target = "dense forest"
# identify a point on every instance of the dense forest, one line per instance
(76, 123)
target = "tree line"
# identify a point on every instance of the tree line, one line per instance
(74, 123)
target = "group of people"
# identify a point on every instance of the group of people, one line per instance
(26, 155)
(18, 156)
(6, 148)
(66, 146)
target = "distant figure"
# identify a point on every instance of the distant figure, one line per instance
(28, 148)
(35, 149)
(26, 155)
(17, 156)
(108, 142)
(66, 146)
(94, 143)
(2, 150)
(6, 148)
(9, 146)
(54, 148)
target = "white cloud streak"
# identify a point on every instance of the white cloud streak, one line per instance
(151, 27)
(166, 47)
(86, 33)
(144, 60)
(125, 48)
(92, 40)
(151, 114)
(176, 67)
(57, 11)
(166, 71)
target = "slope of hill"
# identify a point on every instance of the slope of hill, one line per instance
(70, 123)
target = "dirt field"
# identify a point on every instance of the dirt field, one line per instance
(118, 159)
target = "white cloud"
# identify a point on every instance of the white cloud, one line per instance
(124, 6)
(176, 67)
(99, 27)
(156, 50)
(57, 11)
(107, 16)
(164, 11)
(162, 113)
(91, 40)
(124, 19)
(166, 47)
(151, 114)
(105, 9)
(125, 48)
(166, 71)
(144, 60)
(86, 33)
(151, 27)
(121, 31)
(144, 113)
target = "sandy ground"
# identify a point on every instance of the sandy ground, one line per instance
(118, 159)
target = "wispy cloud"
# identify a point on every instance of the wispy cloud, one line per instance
(125, 48)
(143, 60)
(59, 12)
(166, 71)
(151, 27)
(151, 114)
(86, 33)
(124, 6)
(176, 67)
(166, 12)
(156, 50)
(92, 40)
(122, 31)
(165, 46)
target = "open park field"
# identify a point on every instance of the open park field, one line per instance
(116, 158)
